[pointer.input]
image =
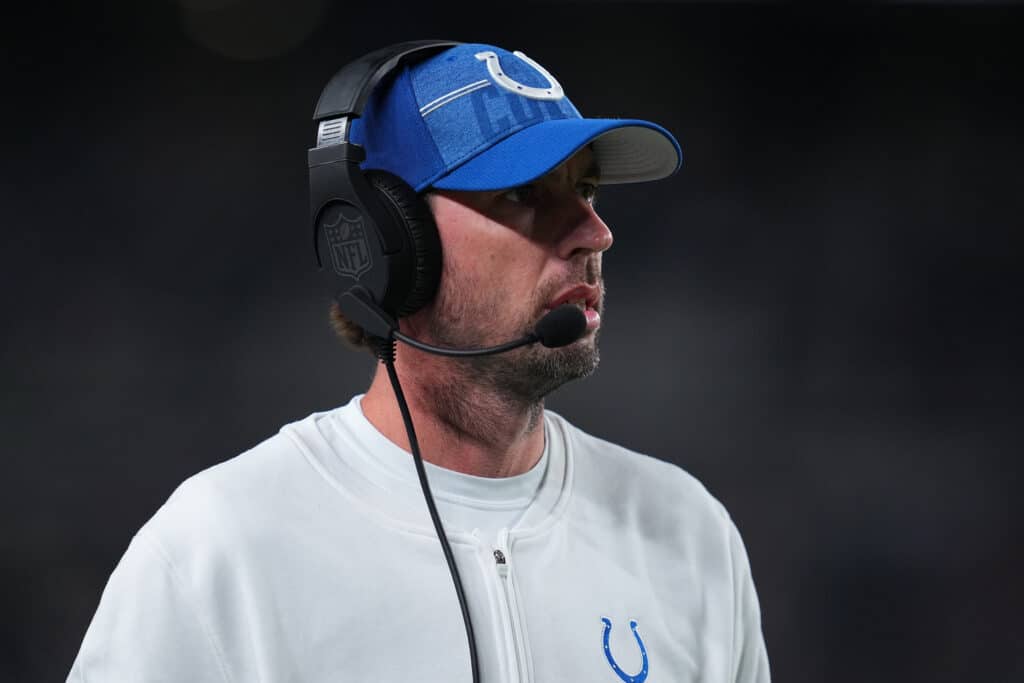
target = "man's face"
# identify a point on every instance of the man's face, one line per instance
(510, 256)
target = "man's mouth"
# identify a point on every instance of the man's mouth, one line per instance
(586, 298)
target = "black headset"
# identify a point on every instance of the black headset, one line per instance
(373, 235)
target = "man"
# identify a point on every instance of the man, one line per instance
(311, 557)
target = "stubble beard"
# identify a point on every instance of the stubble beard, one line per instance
(521, 377)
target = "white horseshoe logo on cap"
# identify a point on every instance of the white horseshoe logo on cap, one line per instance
(552, 92)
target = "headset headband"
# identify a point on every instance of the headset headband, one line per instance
(346, 93)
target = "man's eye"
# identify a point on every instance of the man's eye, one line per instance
(588, 191)
(524, 194)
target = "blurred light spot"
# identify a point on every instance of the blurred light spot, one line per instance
(250, 29)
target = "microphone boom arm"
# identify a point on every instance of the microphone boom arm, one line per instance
(443, 351)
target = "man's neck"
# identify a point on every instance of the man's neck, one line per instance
(459, 425)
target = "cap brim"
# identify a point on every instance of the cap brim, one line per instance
(626, 151)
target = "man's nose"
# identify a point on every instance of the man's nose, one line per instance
(587, 232)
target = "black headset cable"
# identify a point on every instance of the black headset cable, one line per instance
(386, 354)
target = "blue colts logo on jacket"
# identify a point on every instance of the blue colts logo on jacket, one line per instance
(637, 678)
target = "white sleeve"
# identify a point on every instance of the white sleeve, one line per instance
(146, 629)
(750, 659)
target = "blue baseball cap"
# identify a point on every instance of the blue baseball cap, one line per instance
(477, 117)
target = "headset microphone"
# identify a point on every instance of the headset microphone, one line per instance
(560, 327)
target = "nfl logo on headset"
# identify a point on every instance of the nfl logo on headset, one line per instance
(346, 238)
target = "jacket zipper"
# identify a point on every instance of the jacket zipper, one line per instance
(510, 607)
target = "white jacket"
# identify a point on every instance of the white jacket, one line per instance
(286, 564)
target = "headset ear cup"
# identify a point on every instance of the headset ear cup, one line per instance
(418, 222)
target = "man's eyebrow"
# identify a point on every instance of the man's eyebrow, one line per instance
(592, 170)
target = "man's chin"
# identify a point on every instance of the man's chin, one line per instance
(531, 373)
(558, 366)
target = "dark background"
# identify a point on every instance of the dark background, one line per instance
(818, 317)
